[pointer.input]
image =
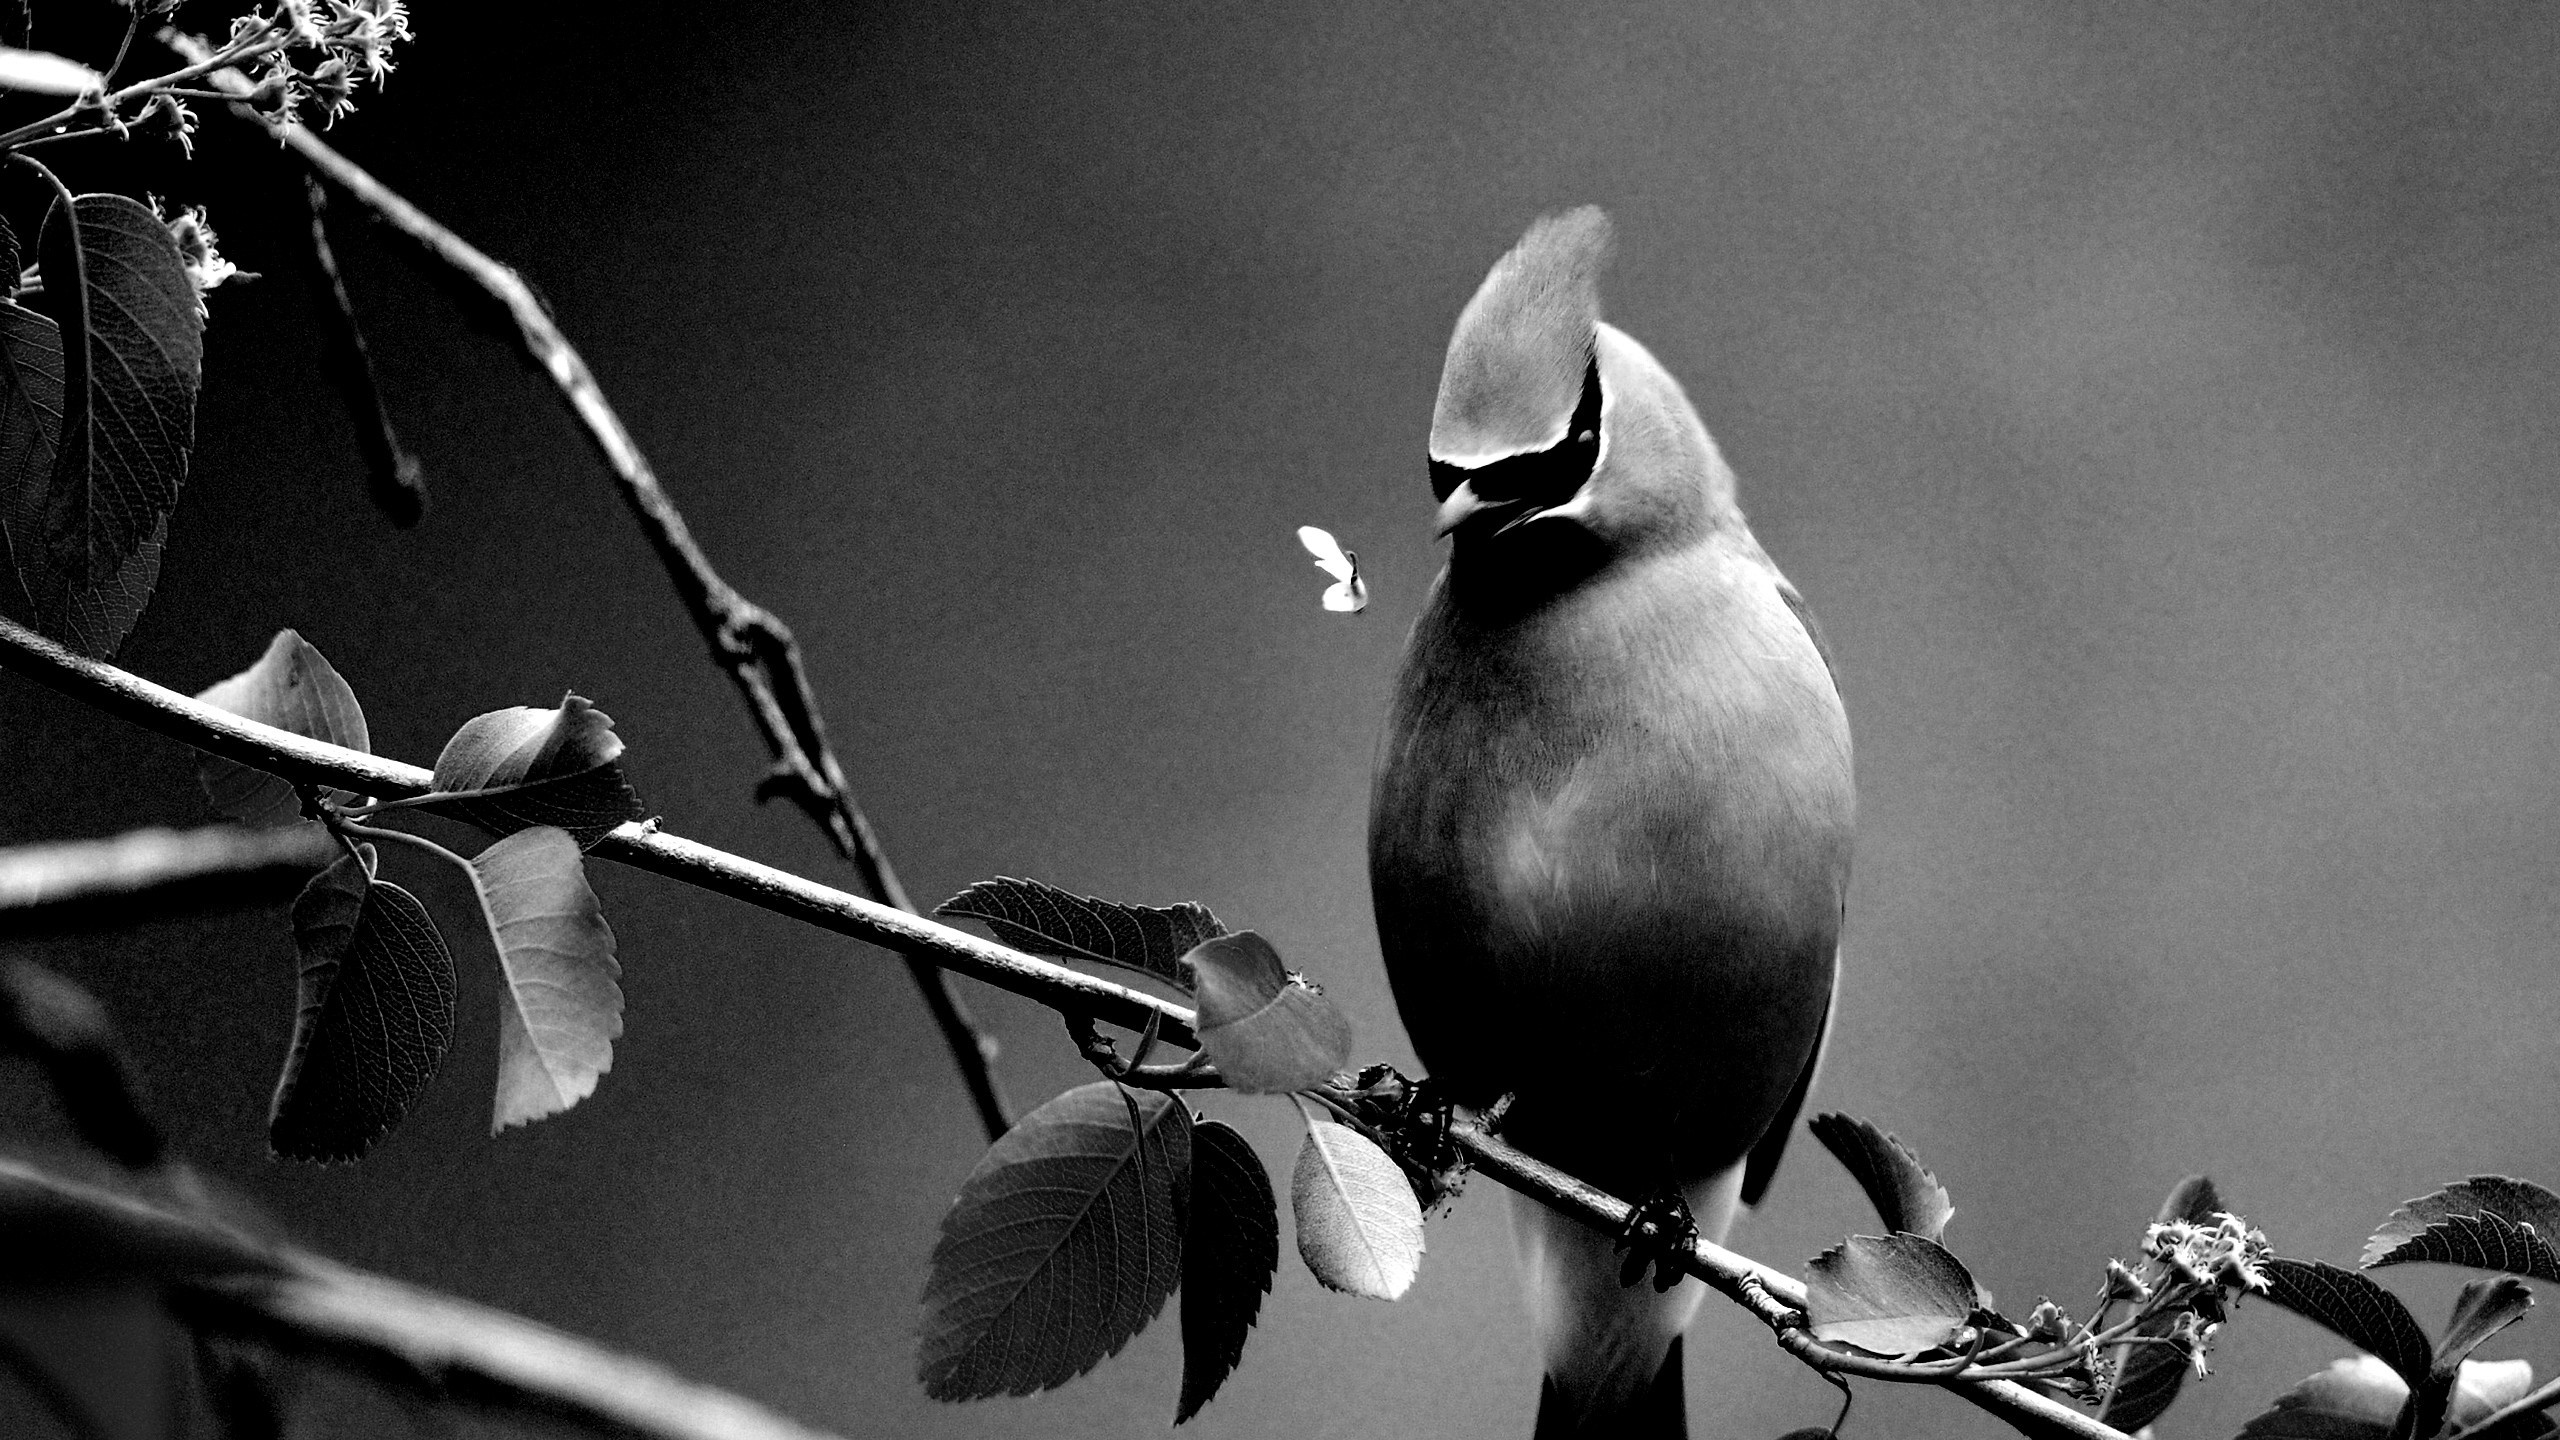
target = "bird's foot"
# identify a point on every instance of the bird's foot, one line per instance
(1658, 1232)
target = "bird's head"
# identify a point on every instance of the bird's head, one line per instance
(1555, 431)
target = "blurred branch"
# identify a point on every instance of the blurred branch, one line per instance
(145, 874)
(750, 643)
(1775, 1297)
(61, 1028)
(222, 1279)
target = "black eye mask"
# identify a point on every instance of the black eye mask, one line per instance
(1545, 478)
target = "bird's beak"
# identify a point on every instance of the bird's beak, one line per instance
(1464, 504)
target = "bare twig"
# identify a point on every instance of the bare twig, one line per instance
(146, 873)
(397, 483)
(748, 642)
(1772, 1295)
(229, 1281)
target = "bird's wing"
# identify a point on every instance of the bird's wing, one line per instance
(1813, 629)
(1762, 1166)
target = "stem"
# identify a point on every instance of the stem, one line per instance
(203, 62)
(419, 842)
(397, 483)
(751, 644)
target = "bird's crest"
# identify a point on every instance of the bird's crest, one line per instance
(1517, 359)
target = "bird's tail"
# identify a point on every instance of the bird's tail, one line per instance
(1611, 1352)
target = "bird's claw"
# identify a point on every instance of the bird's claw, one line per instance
(1658, 1232)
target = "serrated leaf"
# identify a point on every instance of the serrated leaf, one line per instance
(91, 619)
(41, 72)
(30, 425)
(2488, 1222)
(1890, 1295)
(1045, 920)
(2359, 1398)
(132, 357)
(1359, 1227)
(1064, 1242)
(1906, 1196)
(563, 1006)
(2148, 1376)
(2355, 1309)
(292, 687)
(523, 767)
(1267, 1029)
(375, 1020)
(1230, 1250)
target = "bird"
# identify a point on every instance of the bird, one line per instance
(1611, 818)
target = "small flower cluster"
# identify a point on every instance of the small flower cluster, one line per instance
(2226, 1254)
(2213, 1264)
(327, 50)
(205, 265)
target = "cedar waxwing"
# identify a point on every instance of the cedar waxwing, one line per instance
(1609, 836)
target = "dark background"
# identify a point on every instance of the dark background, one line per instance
(2154, 401)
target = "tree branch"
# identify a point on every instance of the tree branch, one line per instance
(641, 846)
(223, 1279)
(1071, 992)
(748, 642)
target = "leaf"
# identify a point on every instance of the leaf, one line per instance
(2148, 1376)
(1268, 1030)
(376, 1017)
(1890, 1295)
(2485, 1307)
(2487, 1386)
(2488, 1222)
(91, 618)
(40, 72)
(1230, 1251)
(1064, 1242)
(1907, 1197)
(132, 359)
(564, 1009)
(1045, 920)
(1359, 1227)
(557, 767)
(2360, 1312)
(30, 425)
(292, 687)
(2359, 1398)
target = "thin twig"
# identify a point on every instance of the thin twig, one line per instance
(747, 641)
(1771, 1294)
(393, 476)
(226, 1280)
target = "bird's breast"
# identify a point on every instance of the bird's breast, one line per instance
(1613, 833)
